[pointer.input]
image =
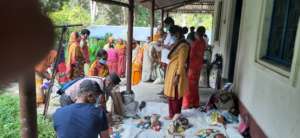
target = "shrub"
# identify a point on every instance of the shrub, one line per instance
(10, 122)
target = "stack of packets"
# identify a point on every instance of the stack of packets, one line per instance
(215, 118)
(179, 125)
(150, 122)
(209, 133)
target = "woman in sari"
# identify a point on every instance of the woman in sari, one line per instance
(121, 49)
(176, 81)
(112, 59)
(75, 60)
(137, 63)
(191, 97)
(62, 76)
(41, 73)
(99, 67)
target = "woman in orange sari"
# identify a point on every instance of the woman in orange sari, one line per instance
(137, 64)
(121, 50)
(75, 60)
(99, 67)
(41, 73)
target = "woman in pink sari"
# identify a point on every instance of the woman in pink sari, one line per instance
(121, 49)
(112, 60)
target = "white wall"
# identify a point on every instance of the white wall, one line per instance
(223, 44)
(272, 99)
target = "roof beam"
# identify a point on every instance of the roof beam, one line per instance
(179, 4)
(143, 1)
(113, 2)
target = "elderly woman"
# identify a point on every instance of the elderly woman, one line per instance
(176, 74)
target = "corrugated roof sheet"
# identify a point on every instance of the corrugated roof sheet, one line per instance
(181, 5)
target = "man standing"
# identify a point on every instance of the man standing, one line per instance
(109, 44)
(191, 35)
(167, 45)
(84, 45)
(82, 119)
(169, 41)
(148, 67)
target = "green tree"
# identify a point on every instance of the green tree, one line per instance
(70, 15)
(49, 6)
(193, 20)
(143, 16)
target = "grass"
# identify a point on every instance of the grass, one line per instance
(10, 122)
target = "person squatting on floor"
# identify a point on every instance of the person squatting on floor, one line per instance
(70, 91)
(82, 119)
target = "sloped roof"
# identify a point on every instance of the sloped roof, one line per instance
(191, 6)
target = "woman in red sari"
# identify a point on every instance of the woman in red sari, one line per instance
(191, 97)
(121, 50)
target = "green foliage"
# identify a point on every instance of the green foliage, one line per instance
(9, 117)
(10, 122)
(194, 20)
(96, 44)
(115, 15)
(71, 15)
(45, 128)
(143, 16)
(52, 5)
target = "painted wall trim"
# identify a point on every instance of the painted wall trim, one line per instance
(262, 43)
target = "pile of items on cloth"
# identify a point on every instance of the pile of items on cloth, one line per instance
(223, 108)
(191, 123)
(120, 105)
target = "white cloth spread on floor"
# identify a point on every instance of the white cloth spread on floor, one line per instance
(196, 118)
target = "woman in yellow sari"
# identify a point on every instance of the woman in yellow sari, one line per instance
(75, 59)
(137, 64)
(176, 74)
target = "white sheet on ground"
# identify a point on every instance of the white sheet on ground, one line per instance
(196, 118)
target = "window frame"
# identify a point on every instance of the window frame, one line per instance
(262, 37)
(277, 60)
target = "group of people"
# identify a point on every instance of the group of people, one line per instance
(182, 58)
(76, 61)
(174, 57)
